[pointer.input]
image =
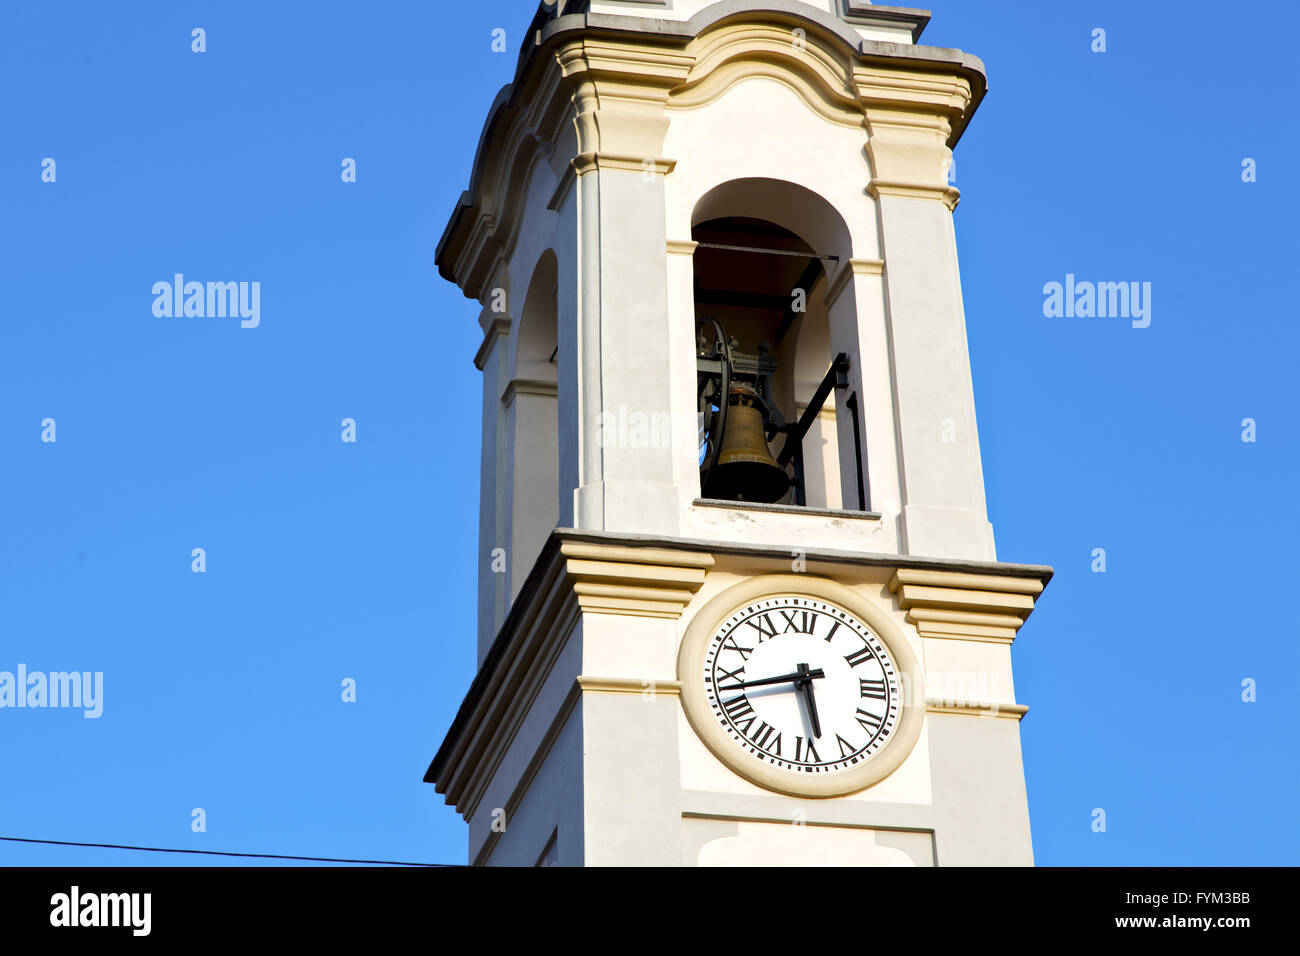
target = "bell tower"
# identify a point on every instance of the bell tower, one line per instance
(738, 596)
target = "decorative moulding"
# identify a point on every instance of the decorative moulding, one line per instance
(948, 605)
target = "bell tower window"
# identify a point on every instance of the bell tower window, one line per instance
(763, 342)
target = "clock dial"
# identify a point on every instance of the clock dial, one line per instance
(802, 685)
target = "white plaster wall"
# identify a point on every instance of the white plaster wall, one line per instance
(981, 808)
(553, 804)
(798, 532)
(631, 790)
(944, 512)
(616, 645)
(714, 842)
(956, 668)
(623, 353)
(631, 776)
(761, 128)
(555, 798)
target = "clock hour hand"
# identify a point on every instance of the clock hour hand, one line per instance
(783, 679)
(804, 685)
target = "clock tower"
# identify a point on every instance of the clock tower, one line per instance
(738, 597)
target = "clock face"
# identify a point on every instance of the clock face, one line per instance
(802, 685)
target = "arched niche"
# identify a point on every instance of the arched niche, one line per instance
(767, 251)
(530, 410)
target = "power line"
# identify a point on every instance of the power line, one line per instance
(260, 856)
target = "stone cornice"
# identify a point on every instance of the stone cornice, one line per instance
(866, 12)
(505, 688)
(646, 582)
(614, 77)
(570, 578)
(498, 328)
(953, 605)
(586, 162)
(948, 195)
(628, 685)
(990, 708)
(780, 554)
(528, 386)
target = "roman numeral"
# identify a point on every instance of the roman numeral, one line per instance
(738, 675)
(870, 722)
(763, 735)
(831, 633)
(875, 689)
(805, 754)
(741, 713)
(763, 632)
(860, 657)
(730, 645)
(738, 707)
(846, 748)
(806, 621)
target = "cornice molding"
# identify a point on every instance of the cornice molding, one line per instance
(570, 578)
(629, 685)
(990, 708)
(528, 386)
(948, 195)
(617, 80)
(587, 162)
(497, 329)
(814, 66)
(509, 692)
(643, 582)
(948, 605)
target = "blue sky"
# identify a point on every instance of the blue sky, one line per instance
(222, 689)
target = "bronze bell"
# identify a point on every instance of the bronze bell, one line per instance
(746, 470)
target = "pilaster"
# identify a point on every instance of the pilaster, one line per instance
(911, 116)
(967, 622)
(619, 93)
(492, 359)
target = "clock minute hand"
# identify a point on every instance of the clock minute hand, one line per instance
(805, 686)
(783, 679)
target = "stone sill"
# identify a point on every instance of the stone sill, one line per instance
(786, 509)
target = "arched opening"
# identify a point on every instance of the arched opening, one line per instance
(762, 284)
(530, 408)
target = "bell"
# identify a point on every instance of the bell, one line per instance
(746, 470)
